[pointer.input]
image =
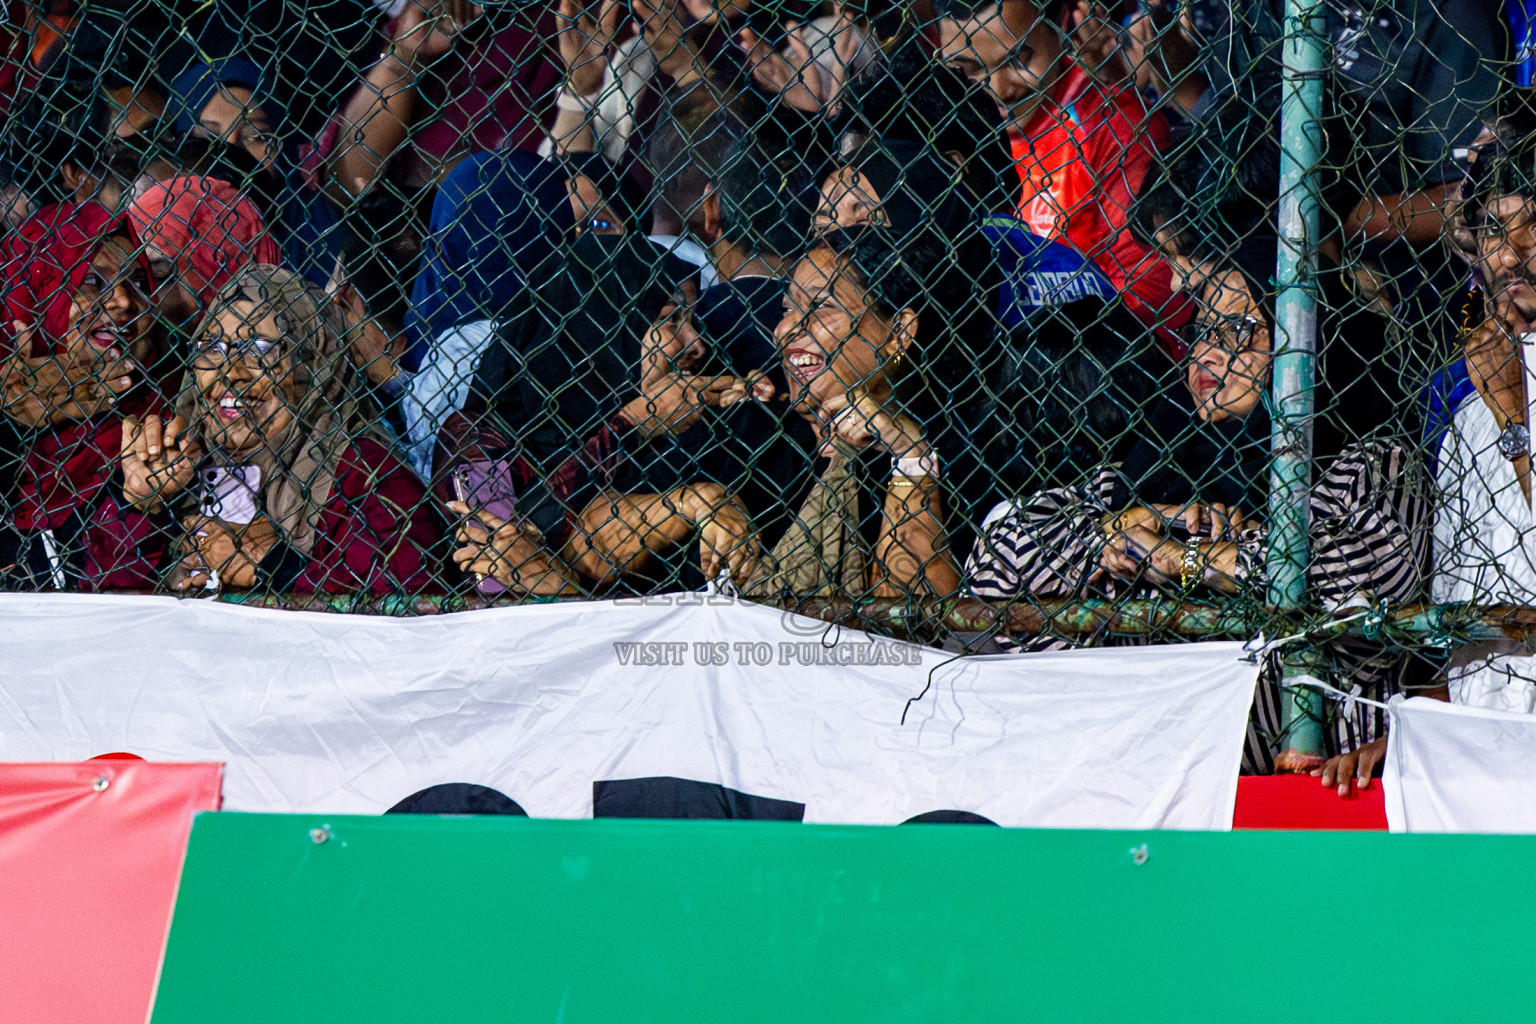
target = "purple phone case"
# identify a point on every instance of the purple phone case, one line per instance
(488, 486)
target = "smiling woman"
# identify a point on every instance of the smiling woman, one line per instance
(1185, 514)
(829, 487)
(290, 492)
(81, 351)
(1186, 510)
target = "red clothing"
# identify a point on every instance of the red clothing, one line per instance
(496, 94)
(375, 531)
(71, 471)
(66, 473)
(46, 259)
(493, 95)
(1082, 159)
(207, 227)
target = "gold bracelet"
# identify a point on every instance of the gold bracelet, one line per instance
(1189, 566)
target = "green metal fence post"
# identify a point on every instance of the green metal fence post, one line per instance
(1296, 346)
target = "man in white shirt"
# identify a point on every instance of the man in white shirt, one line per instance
(1485, 535)
(1485, 532)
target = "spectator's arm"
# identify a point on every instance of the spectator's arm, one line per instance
(1417, 217)
(584, 45)
(1163, 50)
(378, 117)
(621, 532)
(374, 123)
(375, 350)
(1498, 372)
(912, 554)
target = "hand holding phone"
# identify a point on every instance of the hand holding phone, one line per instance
(487, 499)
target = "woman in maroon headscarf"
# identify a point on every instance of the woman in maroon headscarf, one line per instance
(80, 353)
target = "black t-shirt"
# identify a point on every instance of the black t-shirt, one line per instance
(1413, 80)
(1410, 83)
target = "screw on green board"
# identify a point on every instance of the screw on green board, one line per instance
(481, 920)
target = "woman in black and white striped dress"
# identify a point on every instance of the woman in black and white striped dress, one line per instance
(1183, 513)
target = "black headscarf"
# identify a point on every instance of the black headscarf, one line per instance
(910, 97)
(918, 188)
(1181, 458)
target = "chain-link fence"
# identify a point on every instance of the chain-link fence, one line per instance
(1008, 326)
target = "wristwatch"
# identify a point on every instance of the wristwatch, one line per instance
(1515, 441)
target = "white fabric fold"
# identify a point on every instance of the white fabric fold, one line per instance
(349, 714)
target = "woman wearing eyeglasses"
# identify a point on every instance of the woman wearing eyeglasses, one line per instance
(79, 350)
(1186, 511)
(284, 487)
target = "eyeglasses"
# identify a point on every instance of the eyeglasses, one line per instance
(254, 348)
(1232, 334)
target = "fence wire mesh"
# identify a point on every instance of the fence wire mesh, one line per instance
(986, 322)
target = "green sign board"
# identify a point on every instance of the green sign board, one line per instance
(427, 920)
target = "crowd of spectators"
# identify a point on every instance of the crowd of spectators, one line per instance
(900, 300)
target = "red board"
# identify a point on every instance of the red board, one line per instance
(1301, 802)
(90, 856)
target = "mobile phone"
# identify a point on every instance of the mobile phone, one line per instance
(487, 486)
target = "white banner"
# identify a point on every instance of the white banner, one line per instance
(1453, 768)
(349, 714)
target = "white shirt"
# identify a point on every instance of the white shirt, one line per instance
(1485, 548)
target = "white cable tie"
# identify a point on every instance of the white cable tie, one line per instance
(721, 586)
(1350, 699)
(55, 560)
(1266, 647)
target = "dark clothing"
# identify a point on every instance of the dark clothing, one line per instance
(568, 358)
(1413, 81)
(496, 218)
(1180, 458)
(737, 318)
(373, 536)
(769, 458)
(70, 527)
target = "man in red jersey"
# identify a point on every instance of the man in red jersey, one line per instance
(1083, 148)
